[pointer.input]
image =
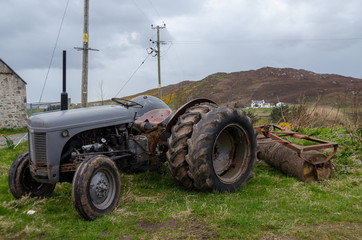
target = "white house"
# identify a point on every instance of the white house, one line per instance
(259, 104)
(280, 104)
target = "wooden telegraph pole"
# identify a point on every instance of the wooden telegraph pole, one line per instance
(159, 57)
(85, 49)
(85, 55)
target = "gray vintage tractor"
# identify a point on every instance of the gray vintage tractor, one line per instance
(208, 148)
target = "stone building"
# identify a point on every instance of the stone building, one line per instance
(12, 98)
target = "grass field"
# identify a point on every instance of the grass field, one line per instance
(11, 131)
(153, 206)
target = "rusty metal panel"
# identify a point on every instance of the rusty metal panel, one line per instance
(267, 135)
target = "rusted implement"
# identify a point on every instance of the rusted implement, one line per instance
(301, 162)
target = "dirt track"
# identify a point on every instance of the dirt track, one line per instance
(16, 138)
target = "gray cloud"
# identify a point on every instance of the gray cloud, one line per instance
(203, 37)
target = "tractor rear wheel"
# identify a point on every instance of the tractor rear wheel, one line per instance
(177, 143)
(222, 150)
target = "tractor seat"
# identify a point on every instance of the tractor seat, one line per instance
(153, 118)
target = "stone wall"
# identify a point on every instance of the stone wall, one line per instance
(12, 99)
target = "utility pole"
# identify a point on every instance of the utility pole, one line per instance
(158, 57)
(85, 55)
(85, 49)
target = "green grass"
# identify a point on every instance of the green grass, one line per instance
(260, 116)
(11, 131)
(153, 206)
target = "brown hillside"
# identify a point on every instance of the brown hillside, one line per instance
(271, 84)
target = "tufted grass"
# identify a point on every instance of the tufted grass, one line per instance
(11, 131)
(153, 206)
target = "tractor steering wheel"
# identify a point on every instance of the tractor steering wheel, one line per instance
(127, 103)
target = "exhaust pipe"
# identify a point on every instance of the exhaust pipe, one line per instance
(64, 94)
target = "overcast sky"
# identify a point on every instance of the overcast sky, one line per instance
(201, 37)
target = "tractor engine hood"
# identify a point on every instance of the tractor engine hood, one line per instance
(82, 117)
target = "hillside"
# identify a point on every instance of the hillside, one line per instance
(271, 84)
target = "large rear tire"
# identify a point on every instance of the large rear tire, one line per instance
(96, 187)
(21, 182)
(177, 143)
(222, 150)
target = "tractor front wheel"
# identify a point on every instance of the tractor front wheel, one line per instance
(96, 187)
(22, 183)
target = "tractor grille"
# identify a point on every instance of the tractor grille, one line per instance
(38, 148)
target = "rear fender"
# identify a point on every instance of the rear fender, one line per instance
(183, 109)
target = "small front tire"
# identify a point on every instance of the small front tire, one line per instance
(22, 183)
(96, 187)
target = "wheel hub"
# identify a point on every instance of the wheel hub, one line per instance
(230, 153)
(102, 188)
(99, 188)
(223, 153)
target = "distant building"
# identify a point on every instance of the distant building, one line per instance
(259, 104)
(12, 98)
(280, 104)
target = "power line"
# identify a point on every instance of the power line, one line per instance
(179, 65)
(156, 11)
(152, 35)
(138, 7)
(179, 71)
(164, 53)
(132, 75)
(178, 61)
(55, 46)
(238, 41)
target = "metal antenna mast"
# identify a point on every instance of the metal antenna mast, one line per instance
(158, 52)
